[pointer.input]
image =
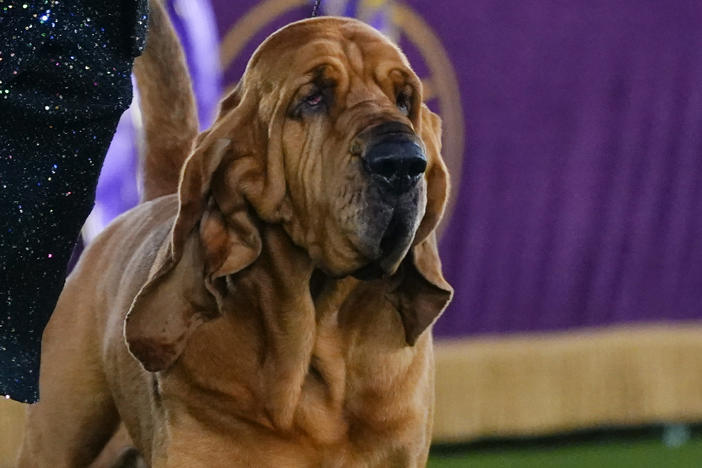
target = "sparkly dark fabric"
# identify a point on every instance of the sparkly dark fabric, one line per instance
(64, 82)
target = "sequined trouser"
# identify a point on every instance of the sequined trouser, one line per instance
(64, 82)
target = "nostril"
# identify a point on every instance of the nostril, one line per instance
(416, 166)
(390, 166)
(386, 166)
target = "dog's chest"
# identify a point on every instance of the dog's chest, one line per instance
(355, 391)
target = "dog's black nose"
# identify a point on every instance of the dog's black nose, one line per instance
(396, 161)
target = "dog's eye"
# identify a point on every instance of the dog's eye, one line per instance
(314, 100)
(403, 103)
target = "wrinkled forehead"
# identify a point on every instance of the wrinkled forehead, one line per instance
(302, 47)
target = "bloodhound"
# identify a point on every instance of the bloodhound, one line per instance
(276, 310)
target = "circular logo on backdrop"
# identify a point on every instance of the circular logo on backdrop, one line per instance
(403, 26)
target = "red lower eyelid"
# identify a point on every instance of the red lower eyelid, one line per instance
(316, 99)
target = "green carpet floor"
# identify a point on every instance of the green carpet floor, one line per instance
(647, 452)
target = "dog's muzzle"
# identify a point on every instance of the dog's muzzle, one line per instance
(394, 161)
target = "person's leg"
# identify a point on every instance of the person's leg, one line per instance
(60, 107)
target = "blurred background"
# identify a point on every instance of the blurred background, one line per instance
(573, 237)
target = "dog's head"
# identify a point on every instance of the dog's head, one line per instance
(326, 135)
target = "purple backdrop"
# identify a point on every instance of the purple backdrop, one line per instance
(579, 202)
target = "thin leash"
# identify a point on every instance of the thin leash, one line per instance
(315, 8)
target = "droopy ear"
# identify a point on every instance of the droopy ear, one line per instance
(423, 293)
(212, 236)
(435, 174)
